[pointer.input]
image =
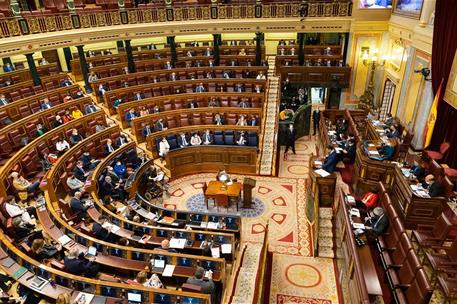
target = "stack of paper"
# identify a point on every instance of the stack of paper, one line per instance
(355, 212)
(215, 252)
(177, 243)
(84, 298)
(350, 199)
(212, 225)
(168, 270)
(358, 226)
(203, 224)
(64, 239)
(322, 172)
(226, 248)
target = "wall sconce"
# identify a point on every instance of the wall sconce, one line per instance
(372, 60)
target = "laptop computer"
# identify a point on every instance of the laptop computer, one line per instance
(92, 251)
(158, 265)
(134, 297)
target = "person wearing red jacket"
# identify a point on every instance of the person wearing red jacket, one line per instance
(369, 200)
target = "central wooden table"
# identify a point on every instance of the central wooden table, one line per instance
(215, 188)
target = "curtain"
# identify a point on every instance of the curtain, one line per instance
(443, 52)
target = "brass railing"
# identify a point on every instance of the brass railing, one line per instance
(34, 24)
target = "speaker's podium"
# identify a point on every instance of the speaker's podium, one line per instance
(248, 185)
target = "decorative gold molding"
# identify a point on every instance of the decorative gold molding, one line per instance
(52, 40)
(450, 95)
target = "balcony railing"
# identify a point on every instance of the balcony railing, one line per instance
(42, 23)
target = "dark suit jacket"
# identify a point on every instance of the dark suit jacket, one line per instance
(145, 131)
(380, 225)
(393, 134)
(118, 141)
(331, 161)
(100, 232)
(290, 136)
(180, 141)
(80, 267)
(78, 206)
(107, 150)
(208, 287)
(79, 174)
(435, 189)
(135, 97)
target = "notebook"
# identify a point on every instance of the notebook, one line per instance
(8, 262)
(92, 251)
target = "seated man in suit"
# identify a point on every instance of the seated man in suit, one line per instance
(3, 100)
(147, 130)
(66, 82)
(243, 104)
(102, 230)
(116, 191)
(129, 115)
(109, 147)
(75, 137)
(138, 96)
(90, 108)
(207, 286)
(121, 140)
(45, 104)
(434, 187)
(183, 140)
(78, 205)
(377, 223)
(168, 66)
(75, 263)
(88, 162)
(200, 88)
(192, 104)
(350, 150)
(160, 125)
(207, 138)
(79, 171)
(239, 88)
(331, 160)
(392, 132)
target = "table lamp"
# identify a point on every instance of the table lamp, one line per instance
(224, 178)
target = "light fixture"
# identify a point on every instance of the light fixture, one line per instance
(372, 62)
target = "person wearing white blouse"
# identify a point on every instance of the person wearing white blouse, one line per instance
(62, 145)
(260, 76)
(196, 140)
(242, 121)
(164, 147)
(241, 140)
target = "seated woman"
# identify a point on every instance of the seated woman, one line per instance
(153, 281)
(369, 200)
(242, 121)
(195, 140)
(44, 249)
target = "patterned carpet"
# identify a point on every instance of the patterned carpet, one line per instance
(296, 165)
(302, 280)
(278, 200)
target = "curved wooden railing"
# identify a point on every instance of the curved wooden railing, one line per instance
(33, 102)
(184, 86)
(67, 282)
(35, 147)
(138, 123)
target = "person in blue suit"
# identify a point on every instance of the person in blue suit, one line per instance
(8, 68)
(387, 151)
(331, 160)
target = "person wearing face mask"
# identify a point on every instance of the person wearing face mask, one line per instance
(290, 140)
(434, 187)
